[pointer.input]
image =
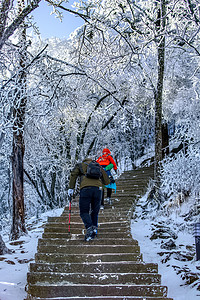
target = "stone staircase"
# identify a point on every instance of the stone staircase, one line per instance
(109, 267)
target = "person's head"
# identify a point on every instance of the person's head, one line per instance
(106, 151)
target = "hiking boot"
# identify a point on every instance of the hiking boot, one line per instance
(109, 201)
(95, 230)
(90, 234)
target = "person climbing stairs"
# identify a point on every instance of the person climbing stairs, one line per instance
(108, 267)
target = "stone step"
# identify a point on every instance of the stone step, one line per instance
(78, 236)
(115, 201)
(138, 180)
(127, 196)
(109, 267)
(122, 205)
(102, 223)
(109, 209)
(106, 213)
(128, 191)
(97, 241)
(77, 231)
(94, 278)
(102, 229)
(98, 267)
(108, 229)
(77, 221)
(89, 249)
(134, 177)
(85, 258)
(139, 172)
(102, 219)
(128, 187)
(95, 290)
(101, 298)
(143, 169)
(103, 212)
(81, 225)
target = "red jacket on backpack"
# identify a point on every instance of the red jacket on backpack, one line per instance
(106, 159)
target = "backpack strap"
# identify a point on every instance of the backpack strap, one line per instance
(81, 169)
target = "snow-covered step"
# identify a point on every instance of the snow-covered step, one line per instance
(102, 223)
(97, 267)
(106, 213)
(102, 298)
(85, 258)
(105, 218)
(94, 278)
(97, 241)
(96, 290)
(75, 230)
(80, 236)
(89, 249)
(109, 267)
(80, 224)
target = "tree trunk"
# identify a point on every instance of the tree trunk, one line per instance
(3, 248)
(4, 10)
(18, 225)
(18, 221)
(165, 140)
(160, 24)
(5, 33)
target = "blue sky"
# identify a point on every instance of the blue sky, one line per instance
(50, 26)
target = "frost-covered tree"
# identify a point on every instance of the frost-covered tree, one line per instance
(143, 30)
(11, 18)
(124, 68)
(3, 248)
(126, 33)
(15, 69)
(19, 109)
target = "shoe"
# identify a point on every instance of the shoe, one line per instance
(90, 234)
(109, 201)
(95, 230)
(101, 207)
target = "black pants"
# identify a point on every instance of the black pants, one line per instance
(109, 193)
(89, 204)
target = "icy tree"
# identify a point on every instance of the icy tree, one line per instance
(19, 108)
(15, 93)
(12, 18)
(116, 82)
(3, 248)
(142, 30)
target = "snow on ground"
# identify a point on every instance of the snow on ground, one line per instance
(14, 266)
(177, 265)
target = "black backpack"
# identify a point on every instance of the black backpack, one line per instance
(93, 170)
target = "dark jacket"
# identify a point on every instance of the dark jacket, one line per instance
(104, 180)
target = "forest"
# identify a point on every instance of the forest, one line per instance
(127, 79)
